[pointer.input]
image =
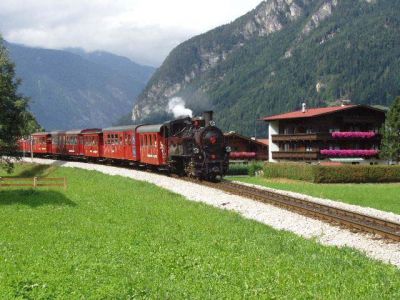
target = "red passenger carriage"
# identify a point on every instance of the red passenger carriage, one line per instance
(73, 143)
(121, 143)
(58, 146)
(41, 142)
(24, 145)
(153, 144)
(92, 142)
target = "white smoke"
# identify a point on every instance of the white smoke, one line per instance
(176, 106)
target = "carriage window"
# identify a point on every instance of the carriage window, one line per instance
(120, 139)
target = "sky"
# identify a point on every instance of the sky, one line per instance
(143, 30)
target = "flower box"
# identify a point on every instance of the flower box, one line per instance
(354, 134)
(350, 153)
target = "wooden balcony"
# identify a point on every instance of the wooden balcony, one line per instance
(301, 137)
(311, 155)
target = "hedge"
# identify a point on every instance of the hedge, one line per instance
(334, 174)
(245, 169)
(289, 170)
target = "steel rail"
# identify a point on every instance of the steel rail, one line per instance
(384, 228)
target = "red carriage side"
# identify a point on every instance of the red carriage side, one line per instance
(73, 143)
(153, 144)
(41, 142)
(92, 142)
(24, 145)
(58, 146)
(121, 143)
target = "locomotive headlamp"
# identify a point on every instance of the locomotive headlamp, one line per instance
(212, 123)
(228, 149)
(196, 150)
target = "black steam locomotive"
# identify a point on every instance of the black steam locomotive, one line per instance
(197, 147)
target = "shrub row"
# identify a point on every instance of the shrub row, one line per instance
(334, 174)
(245, 169)
(289, 170)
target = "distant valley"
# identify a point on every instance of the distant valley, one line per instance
(74, 89)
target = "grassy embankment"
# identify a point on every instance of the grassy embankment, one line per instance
(384, 196)
(111, 237)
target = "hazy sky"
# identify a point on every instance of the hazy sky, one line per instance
(143, 30)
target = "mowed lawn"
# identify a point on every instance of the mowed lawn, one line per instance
(384, 196)
(114, 238)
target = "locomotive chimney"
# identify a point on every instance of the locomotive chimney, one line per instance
(208, 116)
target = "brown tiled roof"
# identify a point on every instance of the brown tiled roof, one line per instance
(314, 112)
(234, 134)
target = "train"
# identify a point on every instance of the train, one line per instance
(193, 147)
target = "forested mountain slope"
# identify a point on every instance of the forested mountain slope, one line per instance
(280, 54)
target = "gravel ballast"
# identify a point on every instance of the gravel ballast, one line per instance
(267, 214)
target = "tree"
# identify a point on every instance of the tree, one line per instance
(15, 119)
(390, 148)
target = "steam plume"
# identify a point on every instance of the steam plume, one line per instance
(176, 106)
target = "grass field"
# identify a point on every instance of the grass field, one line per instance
(384, 196)
(111, 237)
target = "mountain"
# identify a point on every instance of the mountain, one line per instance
(117, 63)
(77, 90)
(283, 53)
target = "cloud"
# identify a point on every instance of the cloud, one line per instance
(144, 30)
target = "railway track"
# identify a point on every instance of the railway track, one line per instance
(356, 221)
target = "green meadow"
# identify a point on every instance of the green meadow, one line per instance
(109, 237)
(382, 196)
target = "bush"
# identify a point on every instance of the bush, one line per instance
(289, 170)
(333, 174)
(254, 167)
(238, 169)
(245, 169)
(356, 174)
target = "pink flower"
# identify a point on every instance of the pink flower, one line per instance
(350, 153)
(354, 134)
(243, 155)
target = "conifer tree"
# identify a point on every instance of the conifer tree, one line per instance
(15, 120)
(390, 148)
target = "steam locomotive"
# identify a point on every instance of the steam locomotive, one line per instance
(192, 147)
